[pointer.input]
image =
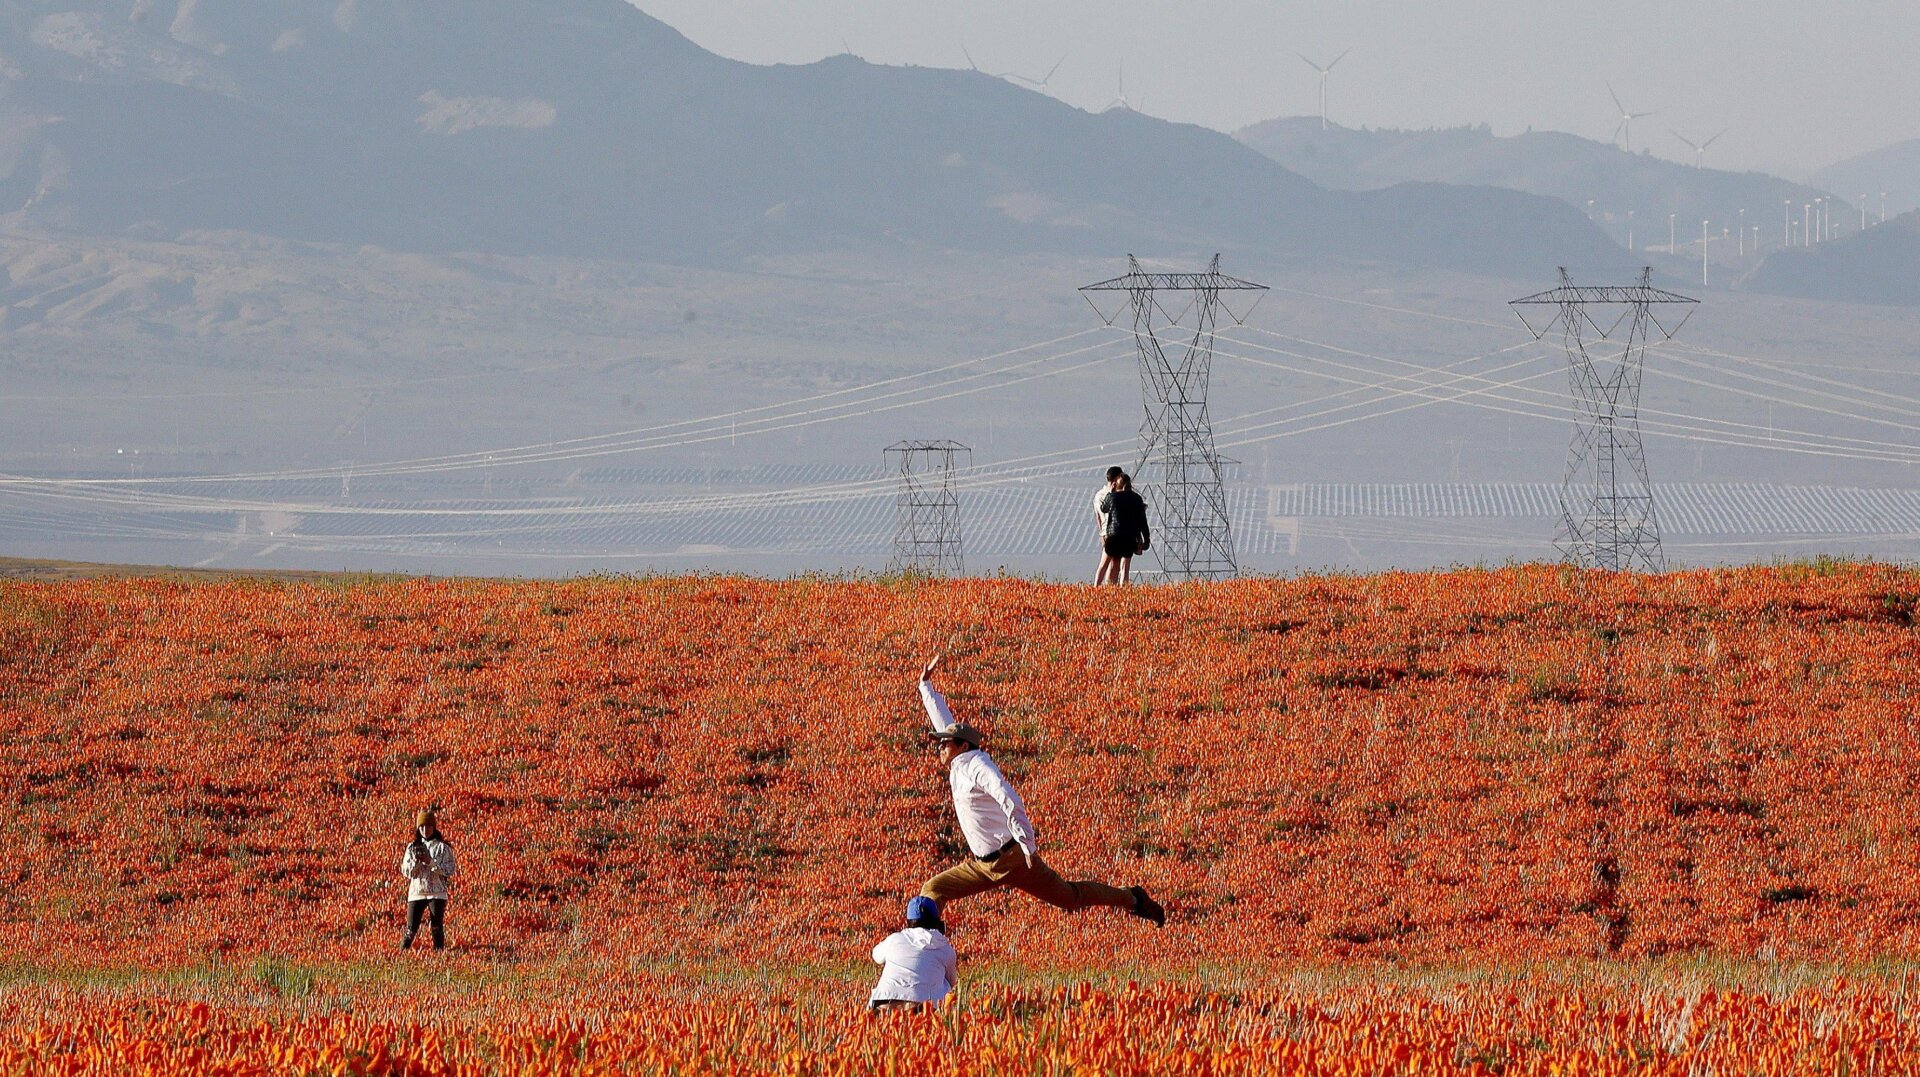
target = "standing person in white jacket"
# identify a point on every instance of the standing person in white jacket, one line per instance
(427, 865)
(919, 966)
(994, 820)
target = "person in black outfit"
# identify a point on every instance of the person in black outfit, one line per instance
(1125, 513)
(1100, 522)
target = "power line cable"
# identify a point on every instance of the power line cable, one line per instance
(550, 451)
(1793, 436)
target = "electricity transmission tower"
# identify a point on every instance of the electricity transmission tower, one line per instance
(926, 512)
(1607, 517)
(1177, 464)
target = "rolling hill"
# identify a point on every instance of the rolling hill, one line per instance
(1471, 766)
(1880, 265)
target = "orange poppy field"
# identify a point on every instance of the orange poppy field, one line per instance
(1525, 820)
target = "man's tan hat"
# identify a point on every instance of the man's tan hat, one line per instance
(962, 732)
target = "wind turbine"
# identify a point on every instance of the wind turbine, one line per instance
(1324, 72)
(1120, 102)
(1624, 132)
(1699, 149)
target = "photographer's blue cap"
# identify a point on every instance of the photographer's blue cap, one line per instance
(923, 908)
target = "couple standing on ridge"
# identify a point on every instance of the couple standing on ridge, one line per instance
(919, 962)
(1122, 518)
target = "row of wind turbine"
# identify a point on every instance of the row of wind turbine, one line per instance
(1038, 84)
(1622, 133)
(1119, 102)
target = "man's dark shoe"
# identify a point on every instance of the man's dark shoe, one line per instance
(1146, 908)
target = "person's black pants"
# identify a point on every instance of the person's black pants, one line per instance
(436, 913)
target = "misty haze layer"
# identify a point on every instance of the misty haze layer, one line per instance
(451, 286)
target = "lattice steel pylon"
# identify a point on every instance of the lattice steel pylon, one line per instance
(1178, 468)
(1607, 514)
(926, 511)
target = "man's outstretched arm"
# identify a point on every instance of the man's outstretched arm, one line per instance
(938, 712)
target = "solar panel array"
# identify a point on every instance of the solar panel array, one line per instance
(652, 511)
(1686, 508)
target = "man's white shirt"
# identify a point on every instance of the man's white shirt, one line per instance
(985, 802)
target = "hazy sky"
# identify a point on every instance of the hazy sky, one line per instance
(1799, 84)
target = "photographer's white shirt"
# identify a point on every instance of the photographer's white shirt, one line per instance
(918, 965)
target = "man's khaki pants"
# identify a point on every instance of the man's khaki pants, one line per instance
(1010, 868)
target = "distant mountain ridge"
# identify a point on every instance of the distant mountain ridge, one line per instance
(587, 128)
(1551, 163)
(1893, 169)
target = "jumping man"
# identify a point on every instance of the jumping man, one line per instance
(998, 834)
